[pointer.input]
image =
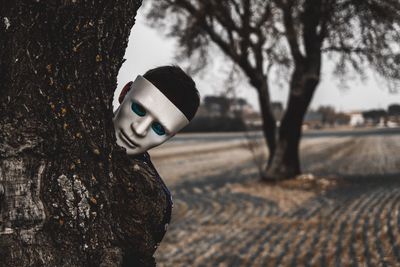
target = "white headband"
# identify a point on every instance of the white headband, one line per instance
(146, 91)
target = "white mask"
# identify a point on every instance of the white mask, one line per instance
(146, 118)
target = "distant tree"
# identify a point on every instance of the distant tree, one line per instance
(217, 104)
(258, 36)
(394, 110)
(239, 105)
(69, 196)
(374, 114)
(342, 118)
(328, 114)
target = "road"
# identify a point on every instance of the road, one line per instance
(215, 137)
(346, 214)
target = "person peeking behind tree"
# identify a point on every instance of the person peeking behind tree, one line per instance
(153, 108)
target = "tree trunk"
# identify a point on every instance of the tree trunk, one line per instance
(268, 119)
(69, 196)
(285, 162)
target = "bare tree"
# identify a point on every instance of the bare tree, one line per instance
(290, 35)
(69, 196)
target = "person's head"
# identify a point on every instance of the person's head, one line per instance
(154, 108)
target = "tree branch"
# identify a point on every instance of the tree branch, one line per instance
(347, 50)
(291, 35)
(226, 47)
(245, 31)
(311, 19)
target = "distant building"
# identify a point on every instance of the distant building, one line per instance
(214, 107)
(312, 120)
(356, 118)
(253, 120)
(202, 112)
(240, 107)
(220, 106)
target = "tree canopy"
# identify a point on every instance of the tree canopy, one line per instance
(256, 34)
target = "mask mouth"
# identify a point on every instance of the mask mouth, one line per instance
(127, 140)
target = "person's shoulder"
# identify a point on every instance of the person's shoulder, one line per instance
(143, 156)
(146, 155)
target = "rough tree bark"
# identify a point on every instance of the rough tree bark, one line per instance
(69, 196)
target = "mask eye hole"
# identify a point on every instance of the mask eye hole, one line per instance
(158, 128)
(138, 109)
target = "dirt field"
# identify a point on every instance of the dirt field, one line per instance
(345, 214)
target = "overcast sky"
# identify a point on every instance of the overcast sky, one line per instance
(148, 48)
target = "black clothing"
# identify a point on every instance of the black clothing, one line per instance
(145, 157)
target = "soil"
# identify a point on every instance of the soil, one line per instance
(343, 211)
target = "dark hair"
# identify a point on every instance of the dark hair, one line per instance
(177, 86)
